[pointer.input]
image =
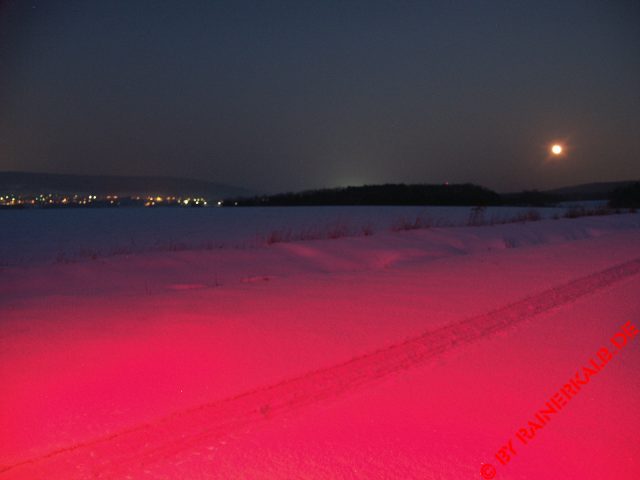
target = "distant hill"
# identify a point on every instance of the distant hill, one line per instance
(588, 191)
(26, 183)
(431, 194)
(388, 194)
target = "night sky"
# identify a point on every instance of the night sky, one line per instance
(280, 96)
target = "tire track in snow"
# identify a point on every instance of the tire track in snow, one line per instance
(132, 450)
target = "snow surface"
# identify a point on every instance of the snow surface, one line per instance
(402, 355)
(62, 235)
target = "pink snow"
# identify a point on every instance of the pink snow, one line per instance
(332, 359)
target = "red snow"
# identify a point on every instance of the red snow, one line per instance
(407, 355)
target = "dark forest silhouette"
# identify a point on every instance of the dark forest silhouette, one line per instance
(399, 194)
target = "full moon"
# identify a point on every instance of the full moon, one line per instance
(556, 149)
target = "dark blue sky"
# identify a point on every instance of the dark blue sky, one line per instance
(290, 95)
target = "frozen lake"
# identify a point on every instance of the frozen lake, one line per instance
(58, 235)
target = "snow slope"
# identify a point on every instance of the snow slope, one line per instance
(60, 235)
(401, 355)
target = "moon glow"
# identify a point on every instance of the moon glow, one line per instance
(556, 149)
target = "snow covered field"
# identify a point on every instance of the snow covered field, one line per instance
(60, 235)
(401, 355)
